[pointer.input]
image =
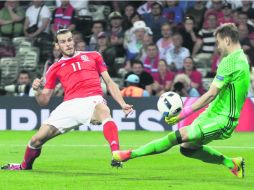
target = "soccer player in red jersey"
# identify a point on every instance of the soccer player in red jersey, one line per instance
(79, 73)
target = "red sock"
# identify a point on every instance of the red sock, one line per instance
(110, 132)
(30, 156)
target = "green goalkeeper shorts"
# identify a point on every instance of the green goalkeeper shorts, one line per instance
(214, 126)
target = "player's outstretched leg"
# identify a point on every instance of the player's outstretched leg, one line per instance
(239, 167)
(185, 134)
(154, 147)
(33, 148)
(210, 155)
(31, 154)
(110, 130)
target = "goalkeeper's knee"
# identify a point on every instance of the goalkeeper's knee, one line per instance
(188, 152)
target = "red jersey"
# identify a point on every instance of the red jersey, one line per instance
(196, 77)
(162, 81)
(79, 75)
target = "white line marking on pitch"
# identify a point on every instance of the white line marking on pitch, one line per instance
(105, 145)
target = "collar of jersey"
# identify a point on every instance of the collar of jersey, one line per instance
(65, 58)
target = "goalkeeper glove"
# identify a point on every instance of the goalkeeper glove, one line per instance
(171, 120)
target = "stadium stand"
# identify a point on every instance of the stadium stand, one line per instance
(31, 53)
(9, 69)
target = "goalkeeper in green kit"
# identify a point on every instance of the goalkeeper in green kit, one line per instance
(225, 97)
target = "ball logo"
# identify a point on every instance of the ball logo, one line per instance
(167, 103)
(177, 111)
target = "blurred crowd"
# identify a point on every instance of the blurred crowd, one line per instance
(149, 46)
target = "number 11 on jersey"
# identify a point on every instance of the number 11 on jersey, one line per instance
(76, 66)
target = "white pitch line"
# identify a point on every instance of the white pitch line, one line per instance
(105, 145)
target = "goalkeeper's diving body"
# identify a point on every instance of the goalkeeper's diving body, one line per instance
(225, 97)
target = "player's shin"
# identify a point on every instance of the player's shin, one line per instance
(110, 132)
(158, 146)
(204, 153)
(30, 155)
(207, 154)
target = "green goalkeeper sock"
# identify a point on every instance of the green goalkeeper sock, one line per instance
(157, 146)
(209, 155)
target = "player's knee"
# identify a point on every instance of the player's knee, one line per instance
(191, 133)
(102, 111)
(186, 151)
(183, 135)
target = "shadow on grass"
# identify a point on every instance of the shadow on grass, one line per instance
(71, 173)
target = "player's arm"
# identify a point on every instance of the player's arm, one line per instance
(221, 79)
(41, 96)
(115, 92)
(204, 100)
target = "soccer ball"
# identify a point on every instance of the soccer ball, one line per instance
(170, 104)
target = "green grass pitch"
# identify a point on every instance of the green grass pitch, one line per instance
(81, 161)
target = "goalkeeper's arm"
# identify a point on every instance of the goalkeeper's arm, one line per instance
(204, 100)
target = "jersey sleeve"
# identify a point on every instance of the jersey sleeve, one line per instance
(50, 79)
(100, 63)
(223, 74)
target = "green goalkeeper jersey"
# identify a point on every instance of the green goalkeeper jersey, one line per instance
(233, 79)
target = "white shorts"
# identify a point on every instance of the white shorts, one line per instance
(73, 113)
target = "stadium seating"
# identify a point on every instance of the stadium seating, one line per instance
(4, 40)
(25, 44)
(9, 69)
(6, 47)
(30, 61)
(18, 40)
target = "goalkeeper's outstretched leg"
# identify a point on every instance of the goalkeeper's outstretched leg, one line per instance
(186, 134)
(210, 155)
